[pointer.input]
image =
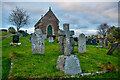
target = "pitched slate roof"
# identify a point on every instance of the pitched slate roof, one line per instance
(48, 13)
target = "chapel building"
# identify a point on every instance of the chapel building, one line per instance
(49, 24)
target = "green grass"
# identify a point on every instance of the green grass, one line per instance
(5, 68)
(28, 65)
(4, 33)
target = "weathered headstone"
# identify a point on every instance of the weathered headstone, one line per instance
(72, 44)
(37, 42)
(67, 63)
(51, 39)
(112, 48)
(82, 43)
(45, 36)
(61, 44)
(105, 43)
(15, 39)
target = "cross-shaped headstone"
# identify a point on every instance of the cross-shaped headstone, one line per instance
(67, 34)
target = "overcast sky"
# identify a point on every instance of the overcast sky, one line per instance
(83, 17)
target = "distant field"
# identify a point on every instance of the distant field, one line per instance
(26, 65)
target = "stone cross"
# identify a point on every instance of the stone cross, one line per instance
(67, 34)
(37, 42)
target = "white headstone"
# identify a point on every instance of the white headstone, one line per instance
(51, 39)
(82, 43)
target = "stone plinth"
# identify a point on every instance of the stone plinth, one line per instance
(69, 64)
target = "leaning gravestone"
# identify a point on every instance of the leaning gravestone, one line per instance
(51, 39)
(15, 39)
(112, 48)
(37, 42)
(67, 63)
(82, 43)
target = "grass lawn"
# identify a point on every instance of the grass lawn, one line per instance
(28, 65)
(4, 33)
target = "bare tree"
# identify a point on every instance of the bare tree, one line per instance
(103, 30)
(19, 18)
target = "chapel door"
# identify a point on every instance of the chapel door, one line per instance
(49, 30)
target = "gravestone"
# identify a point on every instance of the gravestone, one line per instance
(102, 42)
(15, 39)
(72, 44)
(75, 39)
(112, 48)
(67, 63)
(37, 42)
(105, 43)
(94, 42)
(30, 39)
(24, 34)
(82, 43)
(89, 41)
(61, 44)
(19, 34)
(51, 39)
(45, 36)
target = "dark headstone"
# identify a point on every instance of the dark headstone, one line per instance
(24, 34)
(75, 39)
(112, 48)
(89, 41)
(97, 41)
(30, 38)
(15, 39)
(94, 42)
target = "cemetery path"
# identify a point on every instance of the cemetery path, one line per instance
(3, 37)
